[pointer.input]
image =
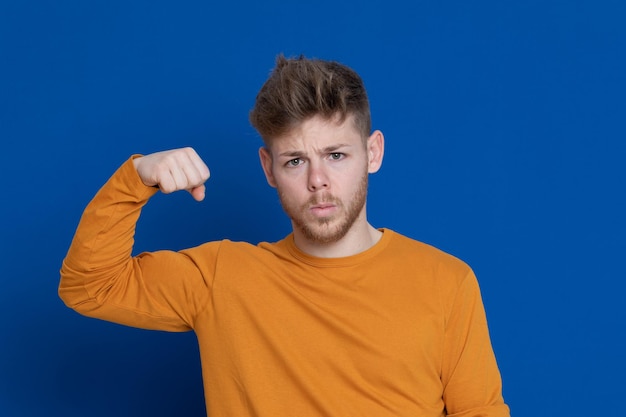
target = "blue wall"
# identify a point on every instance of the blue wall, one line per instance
(505, 137)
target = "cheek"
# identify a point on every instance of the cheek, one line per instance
(286, 189)
(292, 179)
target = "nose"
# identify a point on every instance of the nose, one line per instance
(318, 179)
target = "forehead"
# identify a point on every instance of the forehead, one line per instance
(317, 133)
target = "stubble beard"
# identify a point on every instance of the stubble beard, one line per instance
(328, 229)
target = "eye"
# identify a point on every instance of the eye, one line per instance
(335, 156)
(294, 162)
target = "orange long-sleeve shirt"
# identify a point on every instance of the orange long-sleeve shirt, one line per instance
(397, 330)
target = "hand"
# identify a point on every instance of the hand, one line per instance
(177, 169)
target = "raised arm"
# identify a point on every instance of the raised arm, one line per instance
(100, 278)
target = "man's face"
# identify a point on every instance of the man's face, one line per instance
(320, 171)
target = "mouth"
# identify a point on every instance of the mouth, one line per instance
(323, 209)
(322, 205)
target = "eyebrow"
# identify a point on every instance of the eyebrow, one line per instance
(328, 149)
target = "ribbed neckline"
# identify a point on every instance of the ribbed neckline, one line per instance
(343, 261)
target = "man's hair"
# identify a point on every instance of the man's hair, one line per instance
(301, 88)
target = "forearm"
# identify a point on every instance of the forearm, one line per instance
(101, 249)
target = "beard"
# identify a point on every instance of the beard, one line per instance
(329, 229)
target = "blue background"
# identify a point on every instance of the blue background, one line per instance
(504, 125)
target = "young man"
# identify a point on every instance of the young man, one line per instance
(337, 319)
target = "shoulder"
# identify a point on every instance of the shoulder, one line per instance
(450, 275)
(429, 263)
(420, 252)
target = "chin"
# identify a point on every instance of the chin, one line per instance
(324, 234)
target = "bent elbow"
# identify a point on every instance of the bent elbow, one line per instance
(71, 288)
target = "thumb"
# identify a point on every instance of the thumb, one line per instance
(198, 192)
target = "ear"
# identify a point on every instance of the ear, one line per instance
(266, 162)
(375, 151)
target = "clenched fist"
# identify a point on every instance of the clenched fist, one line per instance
(173, 170)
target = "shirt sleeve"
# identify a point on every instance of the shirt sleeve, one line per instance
(161, 290)
(470, 375)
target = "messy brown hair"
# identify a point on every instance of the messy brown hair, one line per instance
(300, 88)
